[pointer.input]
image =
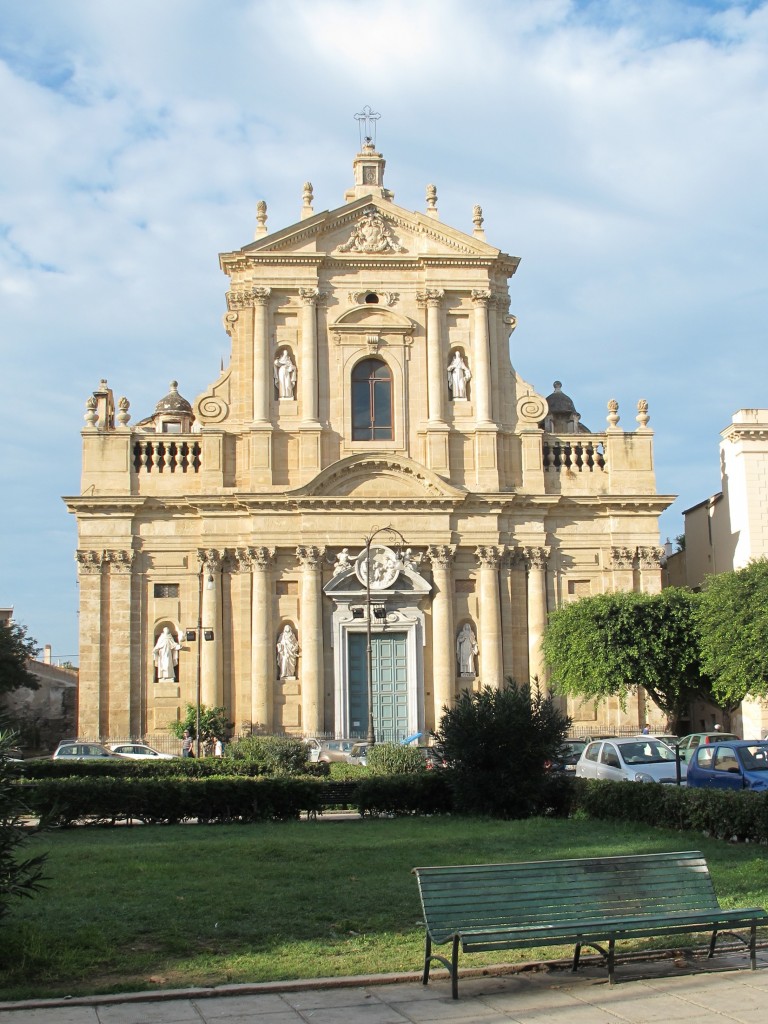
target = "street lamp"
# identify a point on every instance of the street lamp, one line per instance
(371, 738)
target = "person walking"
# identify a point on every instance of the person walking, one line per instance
(187, 744)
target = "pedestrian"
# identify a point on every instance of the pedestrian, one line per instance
(218, 747)
(186, 745)
(646, 730)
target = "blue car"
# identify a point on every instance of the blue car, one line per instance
(731, 764)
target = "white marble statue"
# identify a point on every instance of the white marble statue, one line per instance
(287, 653)
(285, 375)
(466, 650)
(410, 561)
(458, 375)
(165, 655)
(343, 561)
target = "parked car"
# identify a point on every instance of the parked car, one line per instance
(75, 751)
(330, 750)
(140, 752)
(687, 744)
(358, 754)
(630, 759)
(567, 757)
(731, 764)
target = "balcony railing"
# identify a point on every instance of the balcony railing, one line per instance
(167, 456)
(575, 453)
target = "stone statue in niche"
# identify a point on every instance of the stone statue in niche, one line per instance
(466, 651)
(165, 655)
(287, 653)
(285, 375)
(458, 375)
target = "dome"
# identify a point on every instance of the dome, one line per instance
(173, 401)
(559, 402)
(563, 417)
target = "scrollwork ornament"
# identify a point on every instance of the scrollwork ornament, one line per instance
(532, 408)
(212, 409)
(371, 235)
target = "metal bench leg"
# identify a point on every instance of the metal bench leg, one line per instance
(712, 944)
(427, 959)
(611, 950)
(576, 955)
(455, 968)
(753, 947)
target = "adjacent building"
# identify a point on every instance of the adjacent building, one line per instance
(369, 459)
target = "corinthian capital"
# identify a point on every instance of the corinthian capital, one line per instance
(311, 557)
(209, 560)
(650, 558)
(119, 561)
(431, 297)
(309, 296)
(536, 557)
(488, 557)
(89, 563)
(261, 296)
(622, 558)
(441, 555)
(481, 296)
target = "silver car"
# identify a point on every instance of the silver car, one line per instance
(631, 759)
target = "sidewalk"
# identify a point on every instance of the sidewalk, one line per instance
(701, 991)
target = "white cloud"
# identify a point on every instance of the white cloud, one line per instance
(616, 147)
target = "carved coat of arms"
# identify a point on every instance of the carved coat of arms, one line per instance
(372, 235)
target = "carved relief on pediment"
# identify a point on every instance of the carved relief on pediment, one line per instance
(372, 234)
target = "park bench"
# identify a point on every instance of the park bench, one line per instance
(584, 902)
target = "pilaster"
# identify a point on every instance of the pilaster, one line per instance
(536, 557)
(93, 690)
(443, 660)
(125, 698)
(489, 627)
(211, 661)
(262, 645)
(311, 640)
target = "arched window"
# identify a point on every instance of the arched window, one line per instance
(372, 401)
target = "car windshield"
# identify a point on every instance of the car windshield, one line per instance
(646, 752)
(755, 757)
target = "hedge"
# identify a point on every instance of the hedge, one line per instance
(180, 767)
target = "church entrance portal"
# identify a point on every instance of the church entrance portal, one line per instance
(389, 674)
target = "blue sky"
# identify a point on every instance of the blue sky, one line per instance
(618, 148)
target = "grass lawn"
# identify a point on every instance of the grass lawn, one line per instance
(162, 907)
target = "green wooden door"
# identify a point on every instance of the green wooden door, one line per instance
(389, 657)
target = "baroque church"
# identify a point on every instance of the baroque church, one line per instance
(369, 469)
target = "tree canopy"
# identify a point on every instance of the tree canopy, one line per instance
(609, 644)
(16, 647)
(733, 627)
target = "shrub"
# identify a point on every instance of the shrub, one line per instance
(394, 759)
(18, 877)
(497, 741)
(280, 755)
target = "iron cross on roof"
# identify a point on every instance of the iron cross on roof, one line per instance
(367, 133)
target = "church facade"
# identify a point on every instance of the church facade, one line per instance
(369, 464)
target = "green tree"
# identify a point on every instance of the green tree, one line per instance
(16, 648)
(496, 742)
(733, 626)
(213, 722)
(281, 755)
(608, 645)
(18, 877)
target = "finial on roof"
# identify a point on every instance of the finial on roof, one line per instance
(432, 200)
(261, 218)
(306, 209)
(368, 165)
(477, 220)
(366, 123)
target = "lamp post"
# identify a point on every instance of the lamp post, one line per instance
(371, 737)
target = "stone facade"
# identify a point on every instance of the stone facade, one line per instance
(369, 387)
(725, 532)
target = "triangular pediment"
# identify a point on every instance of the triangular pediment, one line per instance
(379, 476)
(370, 228)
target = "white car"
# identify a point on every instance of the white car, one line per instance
(630, 759)
(140, 752)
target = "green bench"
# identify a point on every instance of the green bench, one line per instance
(585, 902)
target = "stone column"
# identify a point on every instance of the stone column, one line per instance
(308, 362)
(211, 683)
(536, 558)
(92, 685)
(518, 629)
(262, 369)
(311, 640)
(262, 644)
(481, 369)
(507, 619)
(124, 708)
(489, 627)
(443, 640)
(241, 707)
(436, 379)
(649, 560)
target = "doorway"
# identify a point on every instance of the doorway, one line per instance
(389, 664)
